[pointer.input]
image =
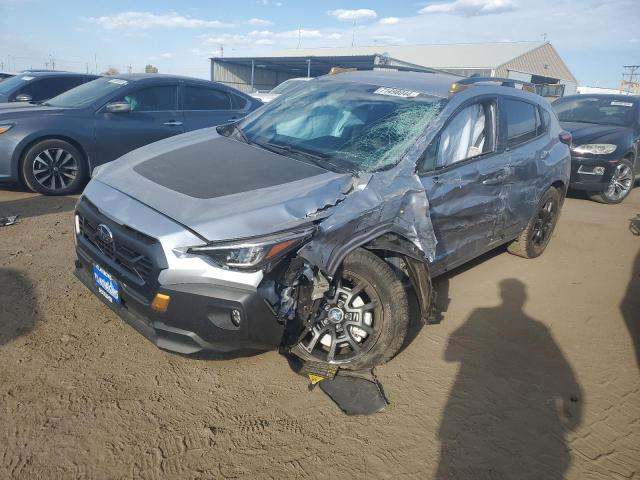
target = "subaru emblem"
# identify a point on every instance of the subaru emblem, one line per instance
(104, 233)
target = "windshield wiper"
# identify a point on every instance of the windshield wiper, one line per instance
(321, 161)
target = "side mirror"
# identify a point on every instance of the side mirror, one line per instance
(118, 107)
(23, 97)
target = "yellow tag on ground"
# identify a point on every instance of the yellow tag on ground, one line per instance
(315, 378)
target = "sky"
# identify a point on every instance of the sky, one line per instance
(595, 38)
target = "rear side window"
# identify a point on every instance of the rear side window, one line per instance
(152, 99)
(238, 102)
(521, 122)
(201, 98)
(46, 88)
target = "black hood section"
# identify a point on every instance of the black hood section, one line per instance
(223, 167)
(593, 133)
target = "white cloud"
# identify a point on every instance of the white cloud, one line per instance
(389, 21)
(166, 55)
(146, 20)
(259, 22)
(265, 41)
(265, 3)
(302, 33)
(470, 8)
(334, 36)
(351, 15)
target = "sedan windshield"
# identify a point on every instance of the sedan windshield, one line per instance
(10, 84)
(343, 125)
(598, 110)
(288, 85)
(87, 93)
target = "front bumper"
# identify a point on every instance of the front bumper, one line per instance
(198, 317)
(583, 176)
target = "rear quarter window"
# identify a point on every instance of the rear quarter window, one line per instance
(521, 121)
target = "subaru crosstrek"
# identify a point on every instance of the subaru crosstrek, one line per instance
(306, 225)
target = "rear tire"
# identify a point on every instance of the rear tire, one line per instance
(376, 299)
(533, 240)
(54, 167)
(619, 187)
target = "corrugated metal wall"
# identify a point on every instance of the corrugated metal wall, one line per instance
(543, 61)
(239, 76)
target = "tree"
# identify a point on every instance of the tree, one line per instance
(150, 69)
(111, 71)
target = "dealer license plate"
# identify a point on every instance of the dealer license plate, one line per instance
(107, 286)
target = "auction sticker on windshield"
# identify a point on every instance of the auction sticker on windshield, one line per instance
(622, 104)
(396, 92)
(117, 81)
(107, 286)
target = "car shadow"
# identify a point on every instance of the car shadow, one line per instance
(18, 305)
(514, 400)
(34, 206)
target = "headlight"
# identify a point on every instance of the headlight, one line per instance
(5, 128)
(596, 148)
(253, 253)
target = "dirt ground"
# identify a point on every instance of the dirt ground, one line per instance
(531, 374)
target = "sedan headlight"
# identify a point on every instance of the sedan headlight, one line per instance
(5, 128)
(596, 148)
(253, 253)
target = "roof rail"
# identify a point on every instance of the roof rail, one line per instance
(469, 82)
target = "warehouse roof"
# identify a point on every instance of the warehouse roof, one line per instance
(452, 55)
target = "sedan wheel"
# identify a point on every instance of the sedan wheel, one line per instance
(620, 184)
(54, 167)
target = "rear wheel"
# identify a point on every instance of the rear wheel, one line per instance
(54, 167)
(533, 240)
(619, 186)
(363, 319)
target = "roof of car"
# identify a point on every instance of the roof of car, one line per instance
(436, 84)
(611, 96)
(133, 77)
(52, 73)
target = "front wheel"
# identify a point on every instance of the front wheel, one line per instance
(619, 186)
(363, 319)
(53, 167)
(535, 237)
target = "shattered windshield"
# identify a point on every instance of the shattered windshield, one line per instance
(343, 125)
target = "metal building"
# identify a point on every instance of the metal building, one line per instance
(536, 62)
(249, 74)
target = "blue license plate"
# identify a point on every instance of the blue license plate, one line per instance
(107, 286)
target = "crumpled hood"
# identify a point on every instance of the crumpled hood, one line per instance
(222, 188)
(591, 133)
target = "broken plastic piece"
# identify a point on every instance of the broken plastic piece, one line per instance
(355, 394)
(6, 221)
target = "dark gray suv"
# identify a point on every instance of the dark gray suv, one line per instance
(300, 226)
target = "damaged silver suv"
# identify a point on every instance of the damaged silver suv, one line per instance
(306, 225)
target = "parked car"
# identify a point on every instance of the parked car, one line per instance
(606, 143)
(5, 75)
(53, 147)
(40, 86)
(275, 92)
(299, 226)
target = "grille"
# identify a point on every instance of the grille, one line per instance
(134, 262)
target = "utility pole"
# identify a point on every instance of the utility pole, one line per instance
(299, 35)
(353, 33)
(221, 51)
(129, 67)
(630, 79)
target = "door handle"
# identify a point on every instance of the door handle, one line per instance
(173, 123)
(497, 180)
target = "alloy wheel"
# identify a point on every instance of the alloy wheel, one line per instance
(348, 323)
(620, 184)
(55, 168)
(544, 223)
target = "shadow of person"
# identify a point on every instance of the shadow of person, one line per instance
(514, 400)
(18, 306)
(630, 307)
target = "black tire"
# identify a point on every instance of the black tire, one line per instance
(389, 317)
(54, 167)
(619, 187)
(533, 240)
